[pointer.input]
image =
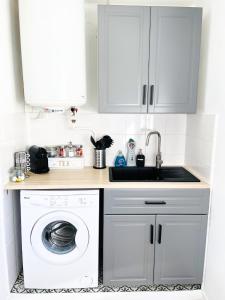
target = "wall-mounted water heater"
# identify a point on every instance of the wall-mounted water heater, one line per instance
(53, 52)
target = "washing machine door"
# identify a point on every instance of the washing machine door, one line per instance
(60, 237)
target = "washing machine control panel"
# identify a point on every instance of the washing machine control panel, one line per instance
(64, 201)
(70, 201)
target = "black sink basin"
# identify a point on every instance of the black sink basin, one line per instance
(165, 174)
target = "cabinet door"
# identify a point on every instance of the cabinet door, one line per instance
(174, 59)
(128, 255)
(123, 53)
(179, 249)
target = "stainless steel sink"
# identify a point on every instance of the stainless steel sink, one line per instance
(151, 174)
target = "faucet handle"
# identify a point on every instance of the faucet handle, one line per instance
(159, 161)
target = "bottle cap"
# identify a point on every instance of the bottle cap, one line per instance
(140, 151)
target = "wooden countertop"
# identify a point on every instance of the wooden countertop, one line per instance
(91, 178)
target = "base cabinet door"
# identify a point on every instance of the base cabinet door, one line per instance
(128, 256)
(179, 249)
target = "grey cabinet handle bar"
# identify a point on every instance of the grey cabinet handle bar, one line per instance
(155, 202)
(151, 234)
(151, 94)
(144, 94)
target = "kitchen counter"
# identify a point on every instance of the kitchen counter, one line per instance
(89, 178)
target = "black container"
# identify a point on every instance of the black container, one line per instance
(140, 159)
(38, 160)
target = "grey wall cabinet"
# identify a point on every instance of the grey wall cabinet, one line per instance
(123, 55)
(174, 59)
(128, 249)
(161, 247)
(148, 59)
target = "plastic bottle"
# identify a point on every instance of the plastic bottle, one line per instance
(120, 160)
(140, 159)
(131, 153)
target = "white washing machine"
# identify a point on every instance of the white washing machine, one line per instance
(60, 238)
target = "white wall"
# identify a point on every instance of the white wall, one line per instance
(200, 148)
(215, 260)
(12, 138)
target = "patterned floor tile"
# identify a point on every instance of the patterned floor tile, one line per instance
(19, 288)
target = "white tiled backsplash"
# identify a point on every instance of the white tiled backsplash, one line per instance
(199, 143)
(52, 130)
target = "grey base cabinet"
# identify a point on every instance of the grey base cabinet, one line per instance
(155, 245)
(179, 249)
(128, 252)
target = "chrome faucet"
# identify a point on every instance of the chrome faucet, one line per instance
(159, 154)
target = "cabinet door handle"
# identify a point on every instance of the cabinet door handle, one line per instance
(160, 234)
(155, 202)
(144, 94)
(151, 234)
(151, 94)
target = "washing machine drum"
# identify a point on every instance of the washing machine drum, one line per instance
(60, 237)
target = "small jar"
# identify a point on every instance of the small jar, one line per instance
(70, 150)
(79, 150)
(62, 151)
(52, 151)
(17, 175)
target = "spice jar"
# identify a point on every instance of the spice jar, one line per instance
(17, 175)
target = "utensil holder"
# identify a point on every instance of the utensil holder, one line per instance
(99, 159)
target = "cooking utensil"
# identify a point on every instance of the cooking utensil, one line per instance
(93, 141)
(103, 143)
(100, 144)
(108, 141)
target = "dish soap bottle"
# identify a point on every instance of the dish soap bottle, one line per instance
(131, 153)
(140, 159)
(120, 160)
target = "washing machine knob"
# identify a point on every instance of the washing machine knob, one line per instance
(86, 281)
(52, 202)
(83, 201)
